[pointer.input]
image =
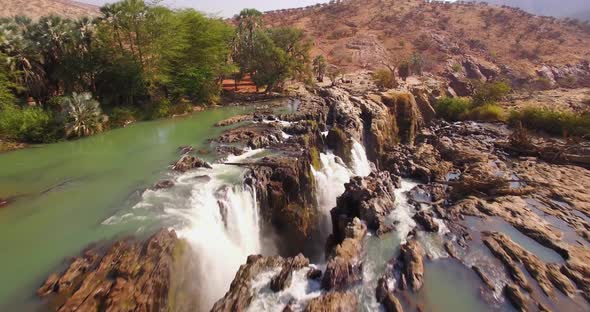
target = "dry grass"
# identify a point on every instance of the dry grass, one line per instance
(498, 35)
(39, 8)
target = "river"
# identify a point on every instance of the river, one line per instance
(65, 192)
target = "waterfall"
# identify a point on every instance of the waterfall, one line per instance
(360, 163)
(216, 214)
(223, 230)
(332, 176)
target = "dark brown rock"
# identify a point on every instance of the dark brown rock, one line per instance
(344, 267)
(425, 219)
(283, 279)
(516, 297)
(166, 184)
(188, 162)
(370, 199)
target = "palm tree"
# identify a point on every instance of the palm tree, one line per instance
(84, 116)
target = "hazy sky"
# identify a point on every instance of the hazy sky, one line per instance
(228, 8)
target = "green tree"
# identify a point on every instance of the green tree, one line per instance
(249, 23)
(279, 54)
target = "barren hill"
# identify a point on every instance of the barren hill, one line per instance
(38, 8)
(362, 33)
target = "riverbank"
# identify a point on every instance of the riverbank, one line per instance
(377, 223)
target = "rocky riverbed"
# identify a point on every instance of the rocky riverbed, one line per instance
(517, 224)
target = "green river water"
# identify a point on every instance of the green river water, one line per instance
(65, 191)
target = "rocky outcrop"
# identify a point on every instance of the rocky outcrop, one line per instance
(385, 296)
(240, 294)
(189, 162)
(516, 297)
(426, 221)
(412, 262)
(283, 279)
(285, 189)
(344, 267)
(422, 162)
(370, 199)
(136, 276)
(233, 120)
(256, 135)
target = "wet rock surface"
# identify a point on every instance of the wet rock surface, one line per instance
(370, 199)
(133, 275)
(189, 162)
(240, 294)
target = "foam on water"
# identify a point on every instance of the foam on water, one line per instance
(218, 216)
(299, 293)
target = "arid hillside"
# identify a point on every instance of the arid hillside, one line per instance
(38, 8)
(363, 34)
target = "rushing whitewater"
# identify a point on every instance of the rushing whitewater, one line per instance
(217, 215)
(332, 176)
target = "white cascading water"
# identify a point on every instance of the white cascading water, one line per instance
(216, 214)
(330, 179)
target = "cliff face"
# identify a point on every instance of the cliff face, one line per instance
(363, 34)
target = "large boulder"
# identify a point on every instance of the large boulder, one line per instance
(344, 267)
(285, 188)
(370, 199)
(240, 295)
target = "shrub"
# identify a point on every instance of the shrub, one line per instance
(488, 112)
(122, 116)
(490, 93)
(384, 79)
(452, 109)
(30, 124)
(160, 109)
(181, 108)
(457, 68)
(552, 121)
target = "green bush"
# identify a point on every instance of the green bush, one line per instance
(160, 109)
(453, 109)
(30, 124)
(121, 116)
(552, 121)
(181, 108)
(490, 93)
(488, 112)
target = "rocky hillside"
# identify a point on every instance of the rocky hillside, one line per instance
(38, 8)
(361, 34)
